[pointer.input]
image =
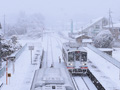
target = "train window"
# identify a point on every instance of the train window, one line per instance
(77, 55)
(70, 56)
(84, 56)
(53, 87)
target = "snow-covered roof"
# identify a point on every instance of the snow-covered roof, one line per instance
(105, 49)
(116, 25)
(76, 36)
(94, 21)
(87, 40)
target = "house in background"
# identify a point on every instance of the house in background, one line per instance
(95, 26)
(80, 37)
(115, 30)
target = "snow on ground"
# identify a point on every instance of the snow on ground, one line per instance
(52, 41)
(107, 83)
(24, 71)
(22, 77)
(106, 68)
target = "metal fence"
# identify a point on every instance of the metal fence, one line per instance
(2, 71)
(15, 55)
(20, 51)
(106, 56)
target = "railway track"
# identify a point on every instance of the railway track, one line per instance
(81, 84)
(85, 83)
(90, 82)
(75, 84)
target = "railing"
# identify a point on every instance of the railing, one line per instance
(13, 57)
(105, 56)
(2, 70)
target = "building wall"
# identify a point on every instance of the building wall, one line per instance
(94, 29)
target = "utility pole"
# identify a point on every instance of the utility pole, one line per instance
(0, 48)
(71, 26)
(4, 25)
(0, 53)
(42, 33)
(110, 19)
(111, 23)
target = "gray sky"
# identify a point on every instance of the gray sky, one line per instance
(58, 11)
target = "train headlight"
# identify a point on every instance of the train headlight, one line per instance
(84, 64)
(70, 64)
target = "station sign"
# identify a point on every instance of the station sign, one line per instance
(31, 47)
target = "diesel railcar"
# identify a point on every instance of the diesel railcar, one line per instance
(75, 58)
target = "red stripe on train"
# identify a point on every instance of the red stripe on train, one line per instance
(70, 68)
(84, 67)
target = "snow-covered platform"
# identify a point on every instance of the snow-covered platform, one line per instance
(105, 81)
(22, 76)
(106, 73)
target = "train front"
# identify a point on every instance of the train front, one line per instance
(77, 62)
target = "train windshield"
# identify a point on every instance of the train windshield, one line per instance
(77, 55)
(84, 56)
(70, 56)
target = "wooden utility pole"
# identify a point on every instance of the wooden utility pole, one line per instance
(6, 71)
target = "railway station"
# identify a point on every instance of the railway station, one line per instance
(59, 45)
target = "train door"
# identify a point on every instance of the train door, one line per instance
(77, 59)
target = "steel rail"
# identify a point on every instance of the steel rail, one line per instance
(85, 83)
(75, 84)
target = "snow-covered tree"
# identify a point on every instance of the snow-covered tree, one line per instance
(25, 24)
(104, 39)
(8, 47)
